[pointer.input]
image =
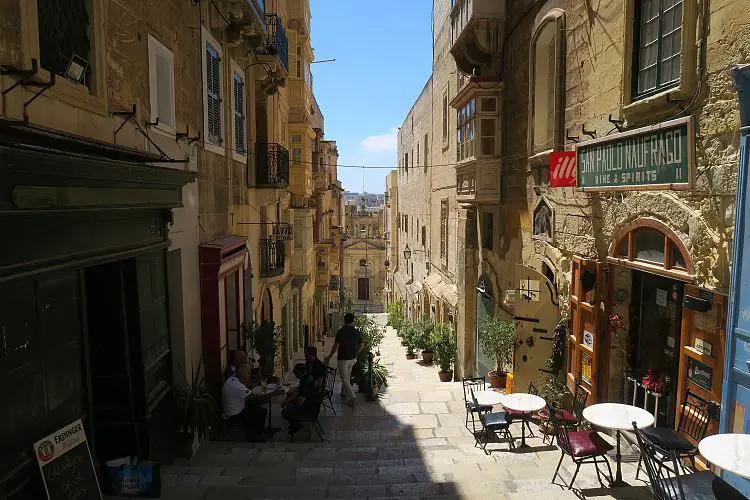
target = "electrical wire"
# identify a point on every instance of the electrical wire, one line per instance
(221, 14)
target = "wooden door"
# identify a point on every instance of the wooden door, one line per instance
(586, 337)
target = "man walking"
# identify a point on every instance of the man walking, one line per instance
(348, 344)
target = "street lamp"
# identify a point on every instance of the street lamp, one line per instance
(407, 252)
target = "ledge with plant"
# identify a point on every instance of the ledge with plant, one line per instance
(498, 338)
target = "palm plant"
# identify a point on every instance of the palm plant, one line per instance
(197, 411)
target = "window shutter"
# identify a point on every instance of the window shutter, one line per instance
(292, 38)
(238, 88)
(213, 89)
(164, 89)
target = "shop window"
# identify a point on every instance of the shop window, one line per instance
(651, 246)
(658, 37)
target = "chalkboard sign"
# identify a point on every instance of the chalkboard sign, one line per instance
(66, 465)
(700, 374)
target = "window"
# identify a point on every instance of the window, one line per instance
(238, 107)
(406, 224)
(64, 33)
(652, 246)
(212, 76)
(296, 155)
(424, 236)
(488, 139)
(545, 85)
(417, 157)
(426, 153)
(363, 288)
(465, 131)
(658, 37)
(161, 85)
(444, 230)
(406, 162)
(488, 222)
(445, 116)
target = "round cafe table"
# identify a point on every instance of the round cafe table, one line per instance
(522, 402)
(488, 398)
(729, 452)
(618, 417)
(269, 392)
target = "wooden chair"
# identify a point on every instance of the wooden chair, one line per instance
(668, 484)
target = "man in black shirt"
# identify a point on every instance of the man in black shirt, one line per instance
(348, 344)
(315, 367)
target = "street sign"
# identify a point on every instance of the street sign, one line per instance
(562, 169)
(655, 157)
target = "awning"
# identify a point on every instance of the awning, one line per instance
(399, 282)
(439, 288)
(415, 287)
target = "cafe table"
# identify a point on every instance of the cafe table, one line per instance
(729, 452)
(522, 402)
(618, 417)
(488, 398)
(268, 392)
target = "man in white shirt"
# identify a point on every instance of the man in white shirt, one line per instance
(240, 411)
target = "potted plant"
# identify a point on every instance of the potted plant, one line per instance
(498, 338)
(196, 411)
(379, 378)
(446, 350)
(423, 340)
(409, 335)
(372, 336)
(265, 340)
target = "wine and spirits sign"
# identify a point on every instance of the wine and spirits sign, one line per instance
(655, 157)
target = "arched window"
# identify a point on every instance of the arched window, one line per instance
(649, 245)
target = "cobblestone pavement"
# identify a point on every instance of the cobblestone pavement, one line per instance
(411, 444)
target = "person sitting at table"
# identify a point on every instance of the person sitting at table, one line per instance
(301, 401)
(239, 361)
(240, 408)
(314, 366)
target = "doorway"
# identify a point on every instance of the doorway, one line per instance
(485, 309)
(656, 322)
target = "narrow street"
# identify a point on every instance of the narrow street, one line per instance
(412, 444)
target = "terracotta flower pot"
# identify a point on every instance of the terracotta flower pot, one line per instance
(427, 357)
(446, 376)
(411, 356)
(497, 379)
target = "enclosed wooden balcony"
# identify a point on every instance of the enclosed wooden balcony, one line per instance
(477, 35)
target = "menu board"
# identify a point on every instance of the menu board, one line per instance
(700, 373)
(65, 462)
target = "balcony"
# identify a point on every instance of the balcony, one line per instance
(320, 182)
(272, 166)
(478, 181)
(277, 43)
(271, 258)
(477, 35)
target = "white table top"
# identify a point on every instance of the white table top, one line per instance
(488, 398)
(618, 416)
(520, 401)
(730, 452)
(271, 390)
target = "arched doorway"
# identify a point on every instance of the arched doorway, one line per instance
(485, 308)
(266, 307)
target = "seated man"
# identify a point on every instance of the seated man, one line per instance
(238, 410)
(314, 366)
(300, 402)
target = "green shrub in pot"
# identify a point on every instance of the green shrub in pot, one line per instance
(446, 350)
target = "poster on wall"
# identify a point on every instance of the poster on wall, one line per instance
(65, 462)
(586, 367)
(588, 339)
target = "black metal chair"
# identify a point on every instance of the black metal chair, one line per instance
(492, 424)
(582, 446)
(667, 483)
(694, 419)
(472, 409)
(543, 415)
(312, 417)
(328, 386)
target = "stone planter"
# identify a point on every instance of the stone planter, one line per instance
(446, 376)
(497, 379)
(428, 357)
(411, 355)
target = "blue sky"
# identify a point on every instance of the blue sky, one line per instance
(383, 53)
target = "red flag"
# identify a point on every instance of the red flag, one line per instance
(562, 169)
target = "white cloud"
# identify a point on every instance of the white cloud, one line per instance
(380, 143)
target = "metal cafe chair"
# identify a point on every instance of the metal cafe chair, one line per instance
(327, 391)
(474, 410)
(582, 446)
(693, 422)
(668, 484)
(492, 423)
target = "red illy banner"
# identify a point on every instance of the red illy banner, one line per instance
(562, 169)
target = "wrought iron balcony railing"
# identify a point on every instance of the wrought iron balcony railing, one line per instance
(272, 165)
(271, 257)
(277, 43)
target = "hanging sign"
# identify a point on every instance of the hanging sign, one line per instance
(66, 465)
(562, 169)
(655, 157)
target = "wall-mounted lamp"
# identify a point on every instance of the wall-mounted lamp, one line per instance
(76, 69)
